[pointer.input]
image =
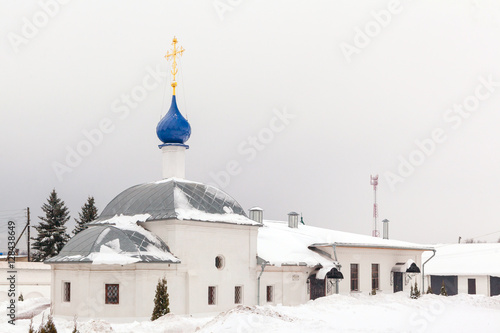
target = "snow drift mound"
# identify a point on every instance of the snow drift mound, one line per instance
(31, 307)
(243, 318)
(94, 326)
(172, 323)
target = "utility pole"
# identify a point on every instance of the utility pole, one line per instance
(22, 232)
(29, 256)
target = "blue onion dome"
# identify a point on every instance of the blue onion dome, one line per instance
(173, 127)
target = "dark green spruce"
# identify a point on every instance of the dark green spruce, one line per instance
(52, 229)
(88, 214)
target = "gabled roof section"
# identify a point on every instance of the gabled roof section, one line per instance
(280, 245)
(176, 199)
(464, 259)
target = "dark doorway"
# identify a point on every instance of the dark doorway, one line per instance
(471, 286)
(398, 281)
(317, 287)
(450, 283)
(494, 285)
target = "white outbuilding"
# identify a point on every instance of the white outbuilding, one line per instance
(465, 268)
(300, 262)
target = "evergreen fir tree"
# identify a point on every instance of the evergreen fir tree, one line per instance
(429, 290)
(20, 298)
(161, 300)
(416, 292)
(51, 230)
(88, 214)
(443, 290)
(412, 295)
(48, 327)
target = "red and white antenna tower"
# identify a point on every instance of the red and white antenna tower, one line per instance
(374, 182)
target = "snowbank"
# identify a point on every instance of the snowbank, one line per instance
(363, 313)
(337, 313)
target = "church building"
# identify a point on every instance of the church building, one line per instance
(213, 255)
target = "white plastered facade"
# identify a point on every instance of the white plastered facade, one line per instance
(197, 244)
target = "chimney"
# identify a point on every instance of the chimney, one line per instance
(256, 214)
(386, 228)
(293, 220)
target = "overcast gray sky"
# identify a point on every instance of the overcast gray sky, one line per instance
(300, 100)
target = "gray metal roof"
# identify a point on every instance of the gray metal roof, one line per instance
(133, 243)
(158, 200)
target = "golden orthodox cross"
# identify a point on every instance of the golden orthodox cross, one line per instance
(172, 55)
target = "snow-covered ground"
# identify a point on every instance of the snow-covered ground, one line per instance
(337, 313)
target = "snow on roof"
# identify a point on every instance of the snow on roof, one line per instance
(281, 245)
(118, 240)
(123, 221)
(175, 198)
(185, 211)
(464, 259)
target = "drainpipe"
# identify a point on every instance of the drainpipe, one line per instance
(334, 247)
(264, 264)
(423, 270)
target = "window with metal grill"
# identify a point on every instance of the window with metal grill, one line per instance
(270, 293)
(67, 291)
(354, 277)
(212, 295)
(375, 276)
(238, 295)
(112, 294)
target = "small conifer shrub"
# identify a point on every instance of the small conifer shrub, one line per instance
(416, 292)
(161, 301)
(443, 290)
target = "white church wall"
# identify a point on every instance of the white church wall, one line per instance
(197, 244)
(137, 284)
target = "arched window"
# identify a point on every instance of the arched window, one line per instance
(219, 262)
